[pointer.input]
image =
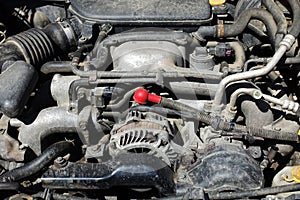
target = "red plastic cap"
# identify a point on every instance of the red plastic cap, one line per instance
(141, 96)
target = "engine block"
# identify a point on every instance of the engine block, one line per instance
(149, 99)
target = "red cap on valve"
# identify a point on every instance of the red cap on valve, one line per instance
(141, 96)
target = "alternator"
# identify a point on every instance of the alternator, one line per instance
(145, 133)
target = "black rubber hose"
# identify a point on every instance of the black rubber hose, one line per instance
(104, 30)
(77, 57)
(124, 102)
(241, 23)
(239, 26)
(298, 112)
(295, 28)
(79, 52)
(218, 124)
(255, 193)
(278, 16)
(36, 165)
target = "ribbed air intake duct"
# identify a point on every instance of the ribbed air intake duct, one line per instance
(22, 55)
(34, 44)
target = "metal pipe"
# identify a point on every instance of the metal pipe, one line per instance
(255, 60)
(286, 44)
(285, 104)
(130, 74)
(126, 80)
(193, 88)
(255, 93)
(287, 61)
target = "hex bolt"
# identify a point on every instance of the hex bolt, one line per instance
(60, 162)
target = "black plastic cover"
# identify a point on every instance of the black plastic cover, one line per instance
(143, 12)
(127, 170)
(227, 168)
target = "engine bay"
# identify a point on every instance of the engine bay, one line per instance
(149, 99)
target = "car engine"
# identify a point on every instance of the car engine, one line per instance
(149, 99)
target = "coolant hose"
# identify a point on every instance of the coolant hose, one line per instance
(295, 28)
(279, 18)
(142, 96)
(36, 165)
(277, 14)
(223, 31)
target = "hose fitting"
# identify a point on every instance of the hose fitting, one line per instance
(288, 41)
